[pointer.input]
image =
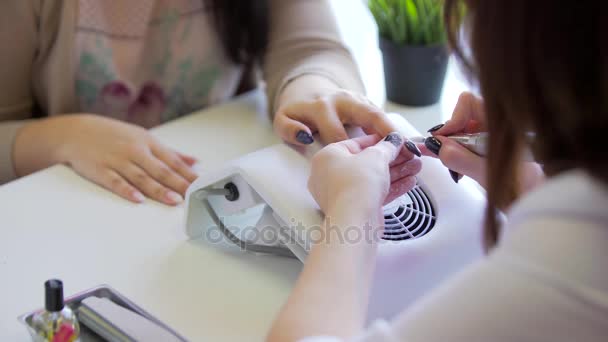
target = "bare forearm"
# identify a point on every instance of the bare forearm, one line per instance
(330, 297)
(36, 144)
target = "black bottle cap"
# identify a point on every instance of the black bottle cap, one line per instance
(53, 291)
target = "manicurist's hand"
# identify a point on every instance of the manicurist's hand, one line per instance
(469, 117)
(350, 180)
(121, 157)
(312, 104)
(363, 173)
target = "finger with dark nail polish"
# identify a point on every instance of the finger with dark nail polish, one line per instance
(413, 148)
(304, 138)
(433, 144)
(436, 128)
(455, 176)
(394, 138)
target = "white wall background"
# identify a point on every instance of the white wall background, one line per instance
(360, 33)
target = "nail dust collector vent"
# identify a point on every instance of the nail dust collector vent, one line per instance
(409, 217)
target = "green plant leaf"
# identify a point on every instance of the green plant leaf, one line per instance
(411, 22)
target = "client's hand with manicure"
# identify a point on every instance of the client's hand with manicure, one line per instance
(128, 161)
(310, 105)
(123, 158)
(363, 173)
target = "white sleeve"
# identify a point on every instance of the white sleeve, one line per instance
(321, 339)
(500, 298)
(464, 304)
(379, 331)
(540, 284)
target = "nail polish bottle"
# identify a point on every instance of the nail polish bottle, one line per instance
(57, 322)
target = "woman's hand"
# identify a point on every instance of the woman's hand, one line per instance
(469, 117)
(313, 104)
(121, 157)
(363, 173)
(350, 180)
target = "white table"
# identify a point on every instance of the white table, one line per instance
(56, 224)
(211, 293)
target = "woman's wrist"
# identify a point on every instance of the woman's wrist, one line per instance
(352, 206)
(349, 222)
(38, 145)
(345, 238)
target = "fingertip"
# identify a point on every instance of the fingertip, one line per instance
(137, 197)
(173, 198)
(391, 146)
(293, 131)
(455, 176)
(189, 175)
(304, 137)
(433, 130)
(189, 160)
(395, 138)
(434, 145)
(410, 146)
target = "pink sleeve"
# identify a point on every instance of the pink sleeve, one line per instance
(18, 37)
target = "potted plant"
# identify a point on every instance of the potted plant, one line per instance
(414, 49)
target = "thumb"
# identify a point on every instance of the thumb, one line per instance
(388, 148)
(292, 131)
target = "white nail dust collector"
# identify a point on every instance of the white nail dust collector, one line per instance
(430, 232)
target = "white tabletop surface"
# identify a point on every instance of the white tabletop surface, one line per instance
(56, 224)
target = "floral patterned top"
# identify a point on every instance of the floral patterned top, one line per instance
(149, 61)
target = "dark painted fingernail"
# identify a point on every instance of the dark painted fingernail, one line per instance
(436, 128)
(433, 144)
(413, 148)
(455, 176)
(394, 138)
(304, 137)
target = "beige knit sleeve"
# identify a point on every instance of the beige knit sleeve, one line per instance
(18, 34)
(304, 39)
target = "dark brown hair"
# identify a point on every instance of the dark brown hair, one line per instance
(541, 67)
(243, 28)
